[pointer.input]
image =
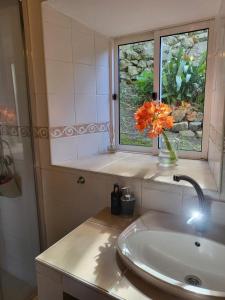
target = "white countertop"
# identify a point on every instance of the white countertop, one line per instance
(144, 166)
(88, 255)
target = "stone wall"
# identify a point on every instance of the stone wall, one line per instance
(134, 59)
(138, 57)
(188, 122)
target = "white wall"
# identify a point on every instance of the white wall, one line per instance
(77, 71)
(218, 99)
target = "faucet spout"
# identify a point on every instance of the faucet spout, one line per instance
(196, 186)
(201, 198)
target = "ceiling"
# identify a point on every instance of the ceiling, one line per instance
(120, 17)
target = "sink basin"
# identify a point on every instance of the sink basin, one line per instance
(165, 251)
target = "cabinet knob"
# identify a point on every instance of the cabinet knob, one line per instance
(81, 180)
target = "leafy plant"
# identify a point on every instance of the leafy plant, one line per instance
(144, 84)
(184, 79)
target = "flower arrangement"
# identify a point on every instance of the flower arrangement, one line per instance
(156, 118)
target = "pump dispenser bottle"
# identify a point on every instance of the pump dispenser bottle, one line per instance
(127, 202)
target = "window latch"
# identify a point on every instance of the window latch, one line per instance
(114, 97)
(154, 96)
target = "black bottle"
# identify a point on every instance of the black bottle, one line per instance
(127, 202)
(115, 200)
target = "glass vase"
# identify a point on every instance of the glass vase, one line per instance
(168, 151)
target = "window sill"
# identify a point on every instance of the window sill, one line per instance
(142, 166)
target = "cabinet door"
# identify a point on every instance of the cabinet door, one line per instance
(67, 203)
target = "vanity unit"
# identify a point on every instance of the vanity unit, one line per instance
(84, 265)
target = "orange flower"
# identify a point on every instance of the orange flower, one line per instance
(154, 116)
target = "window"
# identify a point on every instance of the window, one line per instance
(136, 72)
(182, 84)
(174, 64)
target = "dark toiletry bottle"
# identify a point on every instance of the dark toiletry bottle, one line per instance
(115, 200)
(127, 202)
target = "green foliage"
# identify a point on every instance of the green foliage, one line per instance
(184, 79)
(144, 84)
(126, 139)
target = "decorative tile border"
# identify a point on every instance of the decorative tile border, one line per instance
(41, 132)
(12, 130)
(68, 131)
(54, 132)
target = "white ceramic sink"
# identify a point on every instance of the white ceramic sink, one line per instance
(165, 251)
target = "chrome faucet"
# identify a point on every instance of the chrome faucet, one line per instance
(198, 218)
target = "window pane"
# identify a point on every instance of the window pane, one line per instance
(183, 77)
(135, 86)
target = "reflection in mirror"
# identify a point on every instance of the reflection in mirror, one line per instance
(18, 212)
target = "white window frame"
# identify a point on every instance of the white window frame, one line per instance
(155, 35)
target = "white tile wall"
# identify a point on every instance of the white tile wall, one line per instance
(64, 149)
(59, 77)
(87, 145)
(62, 115)
(77, 71)
(103, 142)
(85, 79)
(102, 79)
(63, 212)
(218, 99)
(82, 201)
(103, 108)
(211, 156)
(52, 16)
(161, 197)
(84, 48)
(218, 166)
(60, 87)
(78, 27)
(57, 42)
(86, 110)
(102, 50)
(218, 212)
